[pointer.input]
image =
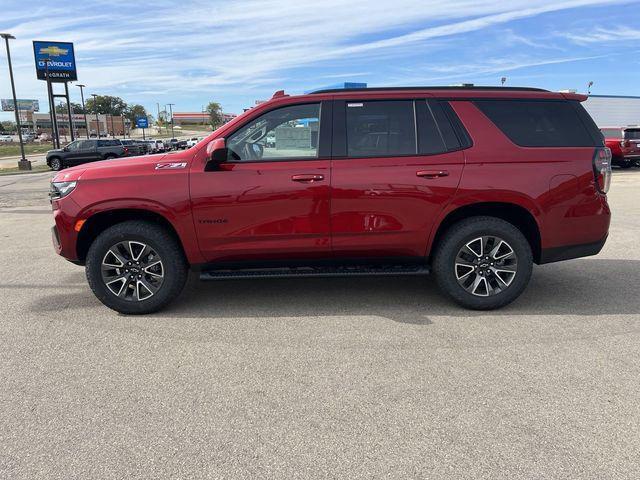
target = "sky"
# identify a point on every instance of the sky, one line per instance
(235, 52)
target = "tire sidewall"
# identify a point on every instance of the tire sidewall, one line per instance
(174, 269)
(457, 237)
(52, 164)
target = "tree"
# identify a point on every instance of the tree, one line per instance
(135, 111)
(8, 126)
(216, 118)
(106, 104)
(75, 108)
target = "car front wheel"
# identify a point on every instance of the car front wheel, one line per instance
(136, 267)
(483, 263)
(56, 164)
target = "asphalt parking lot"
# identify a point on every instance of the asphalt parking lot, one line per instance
(319, 378)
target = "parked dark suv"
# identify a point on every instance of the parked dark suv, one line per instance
(83, 151)
(473, 184)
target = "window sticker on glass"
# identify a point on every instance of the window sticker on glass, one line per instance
(354, 104)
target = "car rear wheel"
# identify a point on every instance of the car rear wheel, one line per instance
(483, 263)
(55, 163)
(109, 157)
(136, 267)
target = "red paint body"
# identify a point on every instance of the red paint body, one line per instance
(343, 208)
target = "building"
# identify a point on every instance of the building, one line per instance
(613, 110)
(110, 125)
(197, 118)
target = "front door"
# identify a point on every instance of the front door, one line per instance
(394, 169)
(270, 200)
(84, 151)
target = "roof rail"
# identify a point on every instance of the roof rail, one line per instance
(461, 87)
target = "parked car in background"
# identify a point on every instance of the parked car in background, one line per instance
(472, 184)
(193, 141)
(151, 146)
(159, 146)
(172, 144)
(6, 138)
(624, 143)
(84, 151)
(134, 147)
(181, 145)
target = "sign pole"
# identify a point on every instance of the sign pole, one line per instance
(23, 164)
(66, 91)
(143, 138)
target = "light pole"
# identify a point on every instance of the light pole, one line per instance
(171, 113)
(95, 105)
(23, 163)
(589, 85)
(159, 128)
(503, 80)
(84, 110)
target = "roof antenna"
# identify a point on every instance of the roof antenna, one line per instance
(503, 80)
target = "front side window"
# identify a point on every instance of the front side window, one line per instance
(86, 144)
(73, 146)
(380, 128)
(284, 133)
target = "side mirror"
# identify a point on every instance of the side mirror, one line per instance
(216, 154)
(65, 149)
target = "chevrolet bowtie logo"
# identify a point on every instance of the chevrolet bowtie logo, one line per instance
(53, 51)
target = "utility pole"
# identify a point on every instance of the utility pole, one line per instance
(159, 127)
(23, 163)
(84, 110)
(95, 105)
(171, 113)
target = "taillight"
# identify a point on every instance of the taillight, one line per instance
(126, 150)
(602, 169)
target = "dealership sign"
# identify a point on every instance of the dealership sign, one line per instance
(142, 122)
(60, 59)
(23, 105)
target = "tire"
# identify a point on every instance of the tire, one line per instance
(56, 164)
(109, 157)
(626, 165)
(501, 281)
(131, 295)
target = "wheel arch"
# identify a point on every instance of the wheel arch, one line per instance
(515, 214)
(100, 221)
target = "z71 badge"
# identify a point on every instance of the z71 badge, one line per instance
(170, 165)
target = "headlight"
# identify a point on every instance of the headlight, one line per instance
(61, 189)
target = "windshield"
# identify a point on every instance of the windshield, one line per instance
(632, 134)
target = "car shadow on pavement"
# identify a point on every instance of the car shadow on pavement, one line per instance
(579, 287)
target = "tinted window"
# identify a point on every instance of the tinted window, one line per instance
(463, 138)
(630, 134)
(429, 137)
(108, 143)
(73, 146)
(287, 132)
(380, 128)
(538, 123)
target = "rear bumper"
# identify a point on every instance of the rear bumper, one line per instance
(567, 252)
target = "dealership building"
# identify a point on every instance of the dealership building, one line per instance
(613, 110)
(112, 125)
(197, 118)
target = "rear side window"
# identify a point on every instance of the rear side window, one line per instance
(108, 143)
(539, 123)
(380, 128)
(612, 132)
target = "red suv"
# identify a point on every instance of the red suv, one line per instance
(474, 184)
(624, 143)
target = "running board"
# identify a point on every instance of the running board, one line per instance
(315, 272)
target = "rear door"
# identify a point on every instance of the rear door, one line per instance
(396, 164)
(632, 142)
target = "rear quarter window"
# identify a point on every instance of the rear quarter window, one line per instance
(541, 123)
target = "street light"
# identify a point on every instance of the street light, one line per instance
(503, 80)
(95, 105)
(171, 113)
(23, 163)
(589, 85)
(84, 110)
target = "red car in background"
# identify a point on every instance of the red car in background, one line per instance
(624, 143)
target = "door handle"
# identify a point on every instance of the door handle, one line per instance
(432, 173)
(307, 178)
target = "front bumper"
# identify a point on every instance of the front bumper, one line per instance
(64, 237)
